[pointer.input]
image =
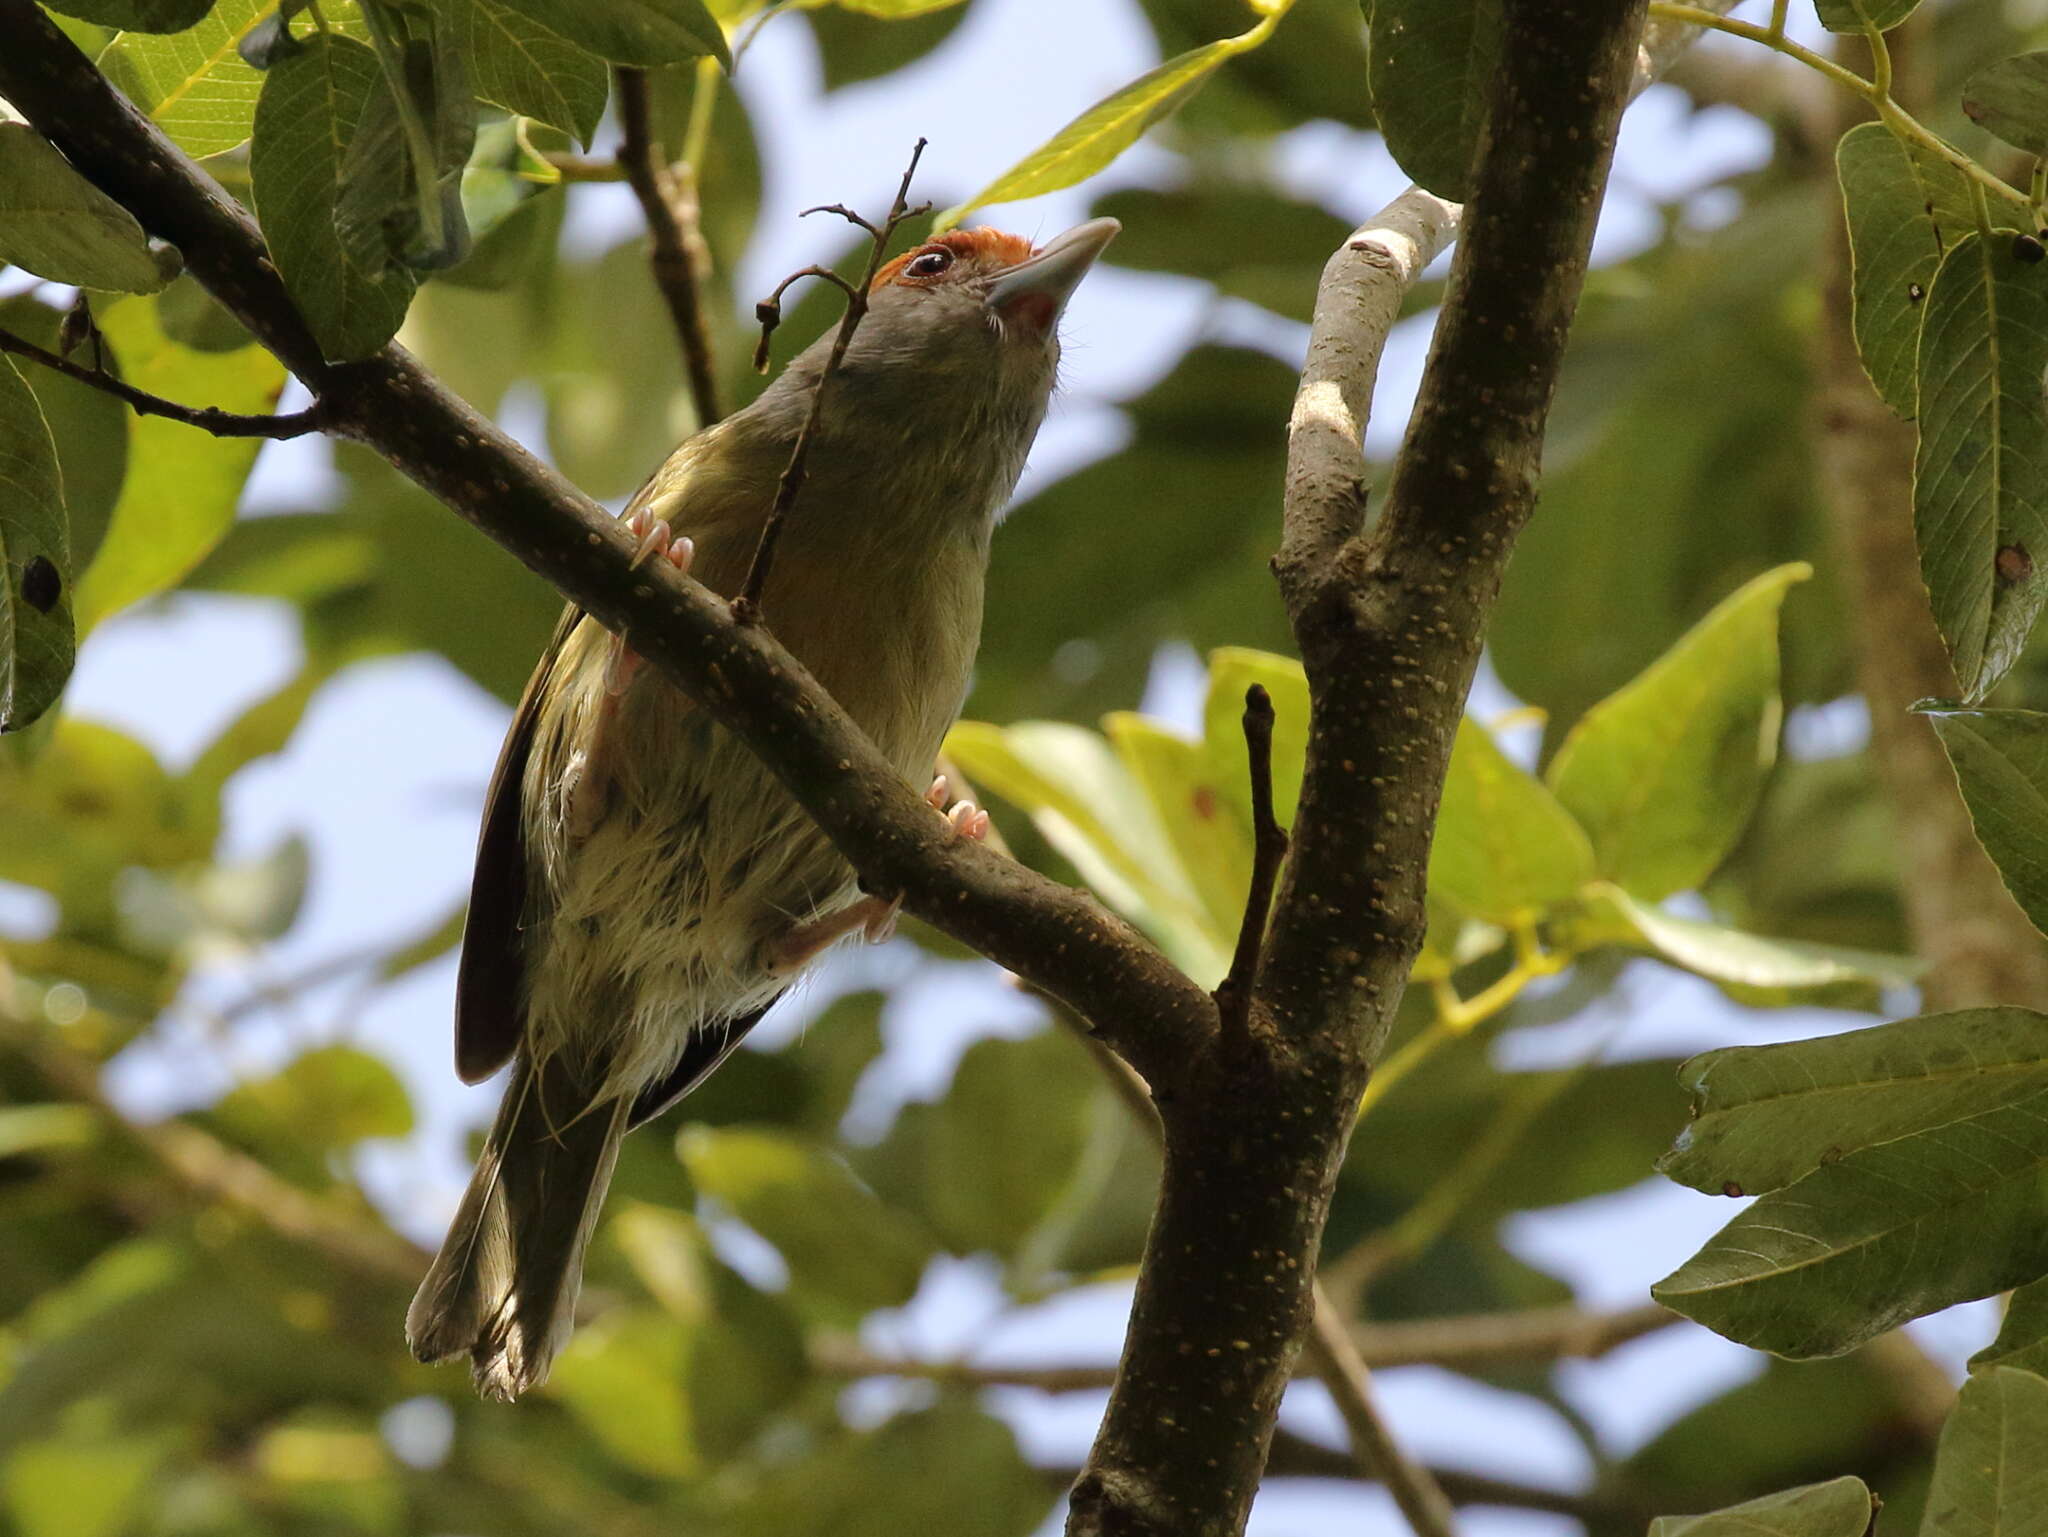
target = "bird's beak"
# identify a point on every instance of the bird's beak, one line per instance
(1038, 287)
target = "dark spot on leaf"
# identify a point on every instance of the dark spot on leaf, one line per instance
(1915, 293)
(1830, 1155)
(2025, 248)
(1731, 1188)
(1205, 803)
(41, 584)
(2014, 564)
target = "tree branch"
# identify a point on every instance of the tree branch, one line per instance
(671, 228)
(1336, 1359)
(1057, 938)
(222, 424)
(1269, 848)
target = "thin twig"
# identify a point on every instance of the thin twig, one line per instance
(1336, 1360)
(747, 606)
(671, 216)
(1269, 848)
(222, 424)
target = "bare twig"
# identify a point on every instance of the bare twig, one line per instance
(222, 424)
(1336, 1359)
(747, 606)
(670, 207)
(769, 311)
(1269, 848)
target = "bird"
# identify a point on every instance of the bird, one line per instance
(644, 888)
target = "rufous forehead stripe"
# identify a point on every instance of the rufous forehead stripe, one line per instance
(966, 244)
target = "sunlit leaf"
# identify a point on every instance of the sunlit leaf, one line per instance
(2009, 100)
(36, 641)
(525, 67)
(1505, 849)
(2001, 762)
(1980, 481)
(1904, 207)
(621, 1375)
(1663, 774)
(78, 1485)
(1432, 63)
(193, 84)
(58, 225)
(1211, 841)
(1232, 672)
(137, 15)
(1842, 1507)
(183, 484)
(1991, 1472)
(1883, 1234)
(1763, 1116)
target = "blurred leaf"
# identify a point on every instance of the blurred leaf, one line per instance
(1991, 1474)
(429, 946)
(193, 318)
(1505, 849)
(1884, 1234)
(1663, 774)
(2001, 762)
(46, 1128)
(1856, 15)
(137, 15)
(78, 1486)
(952, 1469)
(1980, 503)
(1211, 842)
(1432, 61)
(323, 1101)
(746, 1363)
(1763, 1116)
(2022, 1335)
(181, 490)
(840, 1242)
(1251, 241)
(2009, 100)
(1903, 206)
(1750, 967)
(527, 68)
(311, 111)
(1232, 672)
(36, 641)
(854, 48)
(259, 731)
(1841, 1508)
(58, 225)
(518, 246)
(1095, 138)
(643, 32)
(194, 85)
(621, 1375)
(1314, 66)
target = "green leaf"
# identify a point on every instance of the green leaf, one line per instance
(36, 640)
(312, 108)
(1084, 802)
(331, 1097)
(1505, 849)
(46, 1128)
(517, 63)
(895, 10)
(182, 486)
(1232, 672)
(1663, 774)
(58, 225)
(621, 1375)
(841, 1243)
(2022, 1335)
(1095, 138)
(1904, 208)
(1980, 479)
(1752, 968)
(137, 15)
(1991, 1471)
(89, 426)
(1842, 1507)
(1432, 61)
(852, 48)
(78, 1485)
(1859, 15)
(401, 182)
(2001, 762)
(1199, 231)
(642, 32)
(1212, 843)
(1882, 1235)
(194, 85)
(1764, 1116)
(260, 730)
(2009, 100)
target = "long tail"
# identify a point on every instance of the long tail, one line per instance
(503, 1288)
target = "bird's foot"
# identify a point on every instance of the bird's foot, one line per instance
(622, 662)
(875, 917)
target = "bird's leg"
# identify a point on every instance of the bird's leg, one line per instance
(875, 917)
(589, 778)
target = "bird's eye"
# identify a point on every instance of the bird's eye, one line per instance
(929, 265)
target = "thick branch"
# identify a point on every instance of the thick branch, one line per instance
(222, 424)
(671, 220)
(1057, 938)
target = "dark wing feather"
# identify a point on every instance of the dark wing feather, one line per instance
(707, 1048)
(490, 1007)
